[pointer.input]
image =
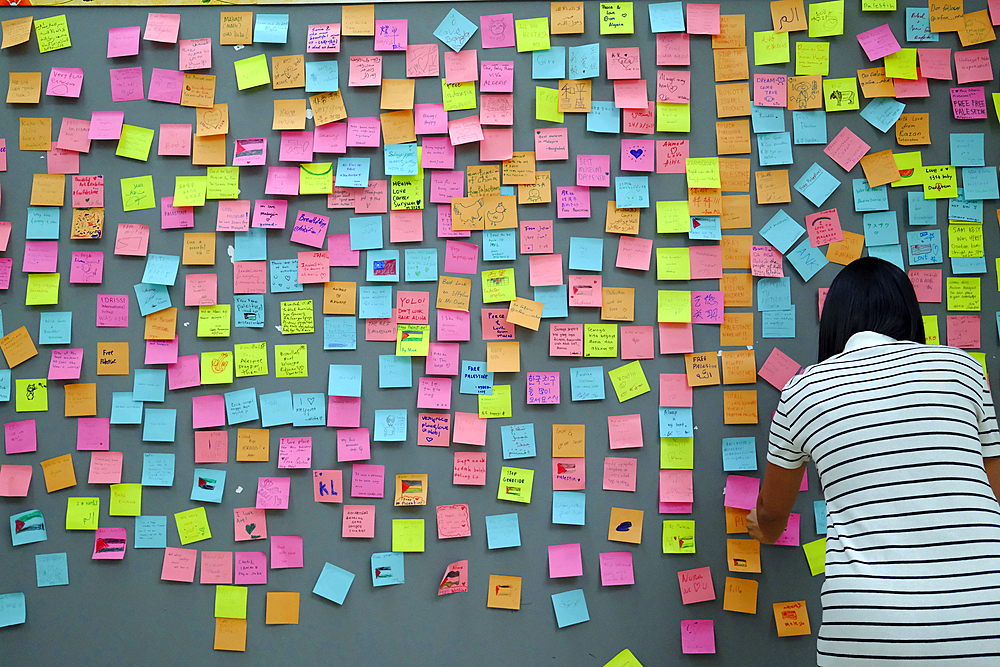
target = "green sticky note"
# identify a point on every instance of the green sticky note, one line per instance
(677, 453)
(43, 289)
(826, 19)
(316, 178)
(673, 117)
(600, 340)
(222, 183)
(458, 96)
(291, 361)
(547, 105)
(703, 172)
(515, 484)
(841, 94)
(407, 535)
(532, 34)
(673, 264)
(297, 317)
(230, 601)
(673, 306)
(497, 404)
(816, 555)
(217, 367)
(981, 358)
(126, 500)
(617, 18)
(213, 321)
(629, 381)
(673, 217)
(996, 102)
(940, 182)
(190, 190)
(135, 142)
(499, 285)
(678, 537)
(137, 193)
(770, 48)
(252, 72)
(32, 395)
(413, 340)
(52, 33)
(82, 513)
(407, 192)
(192, 525)
(902, 64)
(251, 359)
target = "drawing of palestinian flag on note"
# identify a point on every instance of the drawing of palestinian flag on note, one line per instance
(411, 489)
(412, 486)
(413, 336)
(28, 521)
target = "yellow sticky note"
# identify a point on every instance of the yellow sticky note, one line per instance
(673, 306)
(413, 340)
(677, 453)
(826, 19)
(515, 484)
(816, 555)
(532, 34)
(217, 367)
(230, 601)
(251, 359)
(678, 537)
(600, 340)
(547, 105)
(911, 169)
(16, 31)
(841, 94)
(624, 659)
(291, 361)
(703, 172)
(931, 335)
(213, 321)
(32, 395)
(252, 72)
(996, 102)
(190, 190)
(458, 96)
(82, 513)
(673, 117)
(52, 33)
(902, 64)
(879, 5)
(316, 178)
(981, 358)
(407, 192)
(135, 142)
(672, 217)
(964, 294)
(629, 381)
(43, 289)
(770, 48)
(222, 183)
(126, 500)
(498, 285)
(408, 535)
(192, 525)
(812, 58)
(965, 240)
(297, 317)
(617, 18)
(497, 404)
(137, 193)
(940, 182)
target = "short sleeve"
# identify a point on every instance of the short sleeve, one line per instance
(782, 448)
(989, 436)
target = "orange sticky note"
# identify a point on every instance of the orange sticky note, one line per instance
(625, 525)
(48, 189)
(199, 249)
(788, 15)
(874, 83)
(288, 72)
(736, 251)
(846, 251)
(24, 87)
(397, 94)
(81, 399)
(327, 107)
(569, 440)
(161, 325)
(212, 121)
(525, 313)
(503, 356)
(743, 555)
(209, 151)
(289, 115)
(732, 32)
(736, 215)
(539, 192)
(504, 592)
(35, 134)
(566, 18)
(740, 407)
(397, 127)
(734, 173)
(772, 186)
(282, 609)
(112, 359)
(736, 329)
(805, 92)
(59, 473)
(358, 20)
(236, 28)
(741, 595)
(731, 64)
(946, 16)
(739, 366)
(454, 293)
(738, 289)
(702, 368)
(340, 298)
(736, 520)
(230, 634)
(732, 137)
(792, 618)
(732, 99)
(519, 169)
(880, 168)
(252, 444)
(619, 220)
(913, 129)
(17, 347)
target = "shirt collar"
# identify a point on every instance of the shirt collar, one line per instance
(866, 339)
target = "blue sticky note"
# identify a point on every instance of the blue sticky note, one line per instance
(918, 25)
(475, 379)
(390, 425)
(585, 63)
(125, 409)
(966, 265)
(5, 384)
(366, 233)
(819, 511)
(809, 127)
(774, 148)
(807, 260)
(27, 528)
(271, 28)
(604, 117)
(150, 532)
(767, 119)
(739, 454)
(666, 17)
(149, 384)
(632, 191)
(554, 300)
(570, 606)
(241, 406)
(208, 485)
(705, 228)
(249, 310)
(340, 332)
(924, 247)
(13, 610)
(881, 228)
(374, 302)
(285, 276)
(310, 409)
(569, 508)
(51, 570)
(250, 246)
(42, 223)
(394, 371)
(387, 567)
(967, 149)
(781, 231)
(421, 265)
(778, 323)
(55, 328)
(882, 113)
(323, 76)
(586, 254)
(774, 293)
(921, 211)
(980, 183)
(276, 409)
(161, 269)
(333, 583)
(890, 253)
(151, 298)
(868, 198)
(549, 64)
(157, 469)
(455, 30)
(502, 531)
(1, 324)
(676, 422)
(499, 245)
(159, 425)
(353, 172)
(517, 441)
(401, 160)
(382, 266)
(344, 380)
(817, 184)
(965, 210)
(586, 383)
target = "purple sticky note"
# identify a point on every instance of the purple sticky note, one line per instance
(878, 42)
(123, 41)
(166, 85)
(698, 636)
(19, 437)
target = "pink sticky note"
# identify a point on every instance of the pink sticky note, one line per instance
(353, 444)
(15, 480)
(465, 130)
(272, 493)
(444, 230)
(497, 109)
(201, 289)
(359, 521)
(824, 227)
(496, 76)
(741, 492)
(66, 364)
(253, 151)
(770, 90)
(696, 585)
(269, 213)
(294, 453)
(636, 155)
(296, 146)
(106, 124)
(585, 291)
(536, 236)
(74, 135)
(453, 325)
(673, 49)
(162, 28)
(390, 35)
(633, 253)
(434, 393)
(497, 30)
(323, 38)
(438, 153)
(211, 446)
(673, 86)
(6, 268)
(422, 60)
(208, 411)
(109, 543)
(282, 181)
(216, 567)
(367, 480)
(339, 251)
(636, 342)
(364, 131)
(790, 536)
(703, 19)
(175, 139)
(675, 391)
(765, 261)
(469, 468)
(495, 324)
(909, 88)
(623, 62)
(249, 523)
(565, 340)
(381, 328)
(123, 41)
(573, 201)
(406, 226)
(461, 66)
(445, 185)
(964, 331)
(625, 431)
(233, 216)
(593, 170)
(105, 467)
(698, 636)
(112, 310)
(453, 521)
(342, 197)
(551, 143)
(706, 307)
(846, 149)
(640, 120)
(968, 103)
(185, 372)
(195, 54)
(878, 42)
(162, 351)
(310, 229)
(677, 486)
(126, 84)
(365, 71)
(131, 239)
(166, 85)
(314, 267)
(497, 144)
(251, 568)
(250, 277)
(328, 486)
(543, 388)
(19, 437)
(373, 199)
(179, 564)
(469, 429)
(461, 257)
(286, 551)
(935, 63)
(565, 560)
(631, 94)
(545, 270)
(65, 82)
(430, 118)
(433, 429)
(330, 138)
(87, 191)
(706, 262)
(59, 161)
(568, 474)
(616, 568)
(40, 256)
(619, 473)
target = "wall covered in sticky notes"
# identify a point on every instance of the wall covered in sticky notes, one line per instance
(377, 284)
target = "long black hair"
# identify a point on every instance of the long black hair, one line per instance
(869, 294)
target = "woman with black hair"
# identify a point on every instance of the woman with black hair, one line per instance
(904, 436)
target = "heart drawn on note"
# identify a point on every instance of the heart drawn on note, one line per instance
(636, 153)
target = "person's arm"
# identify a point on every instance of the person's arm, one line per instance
(992, 466)
(777, 495)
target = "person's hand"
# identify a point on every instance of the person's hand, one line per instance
(753, 527)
